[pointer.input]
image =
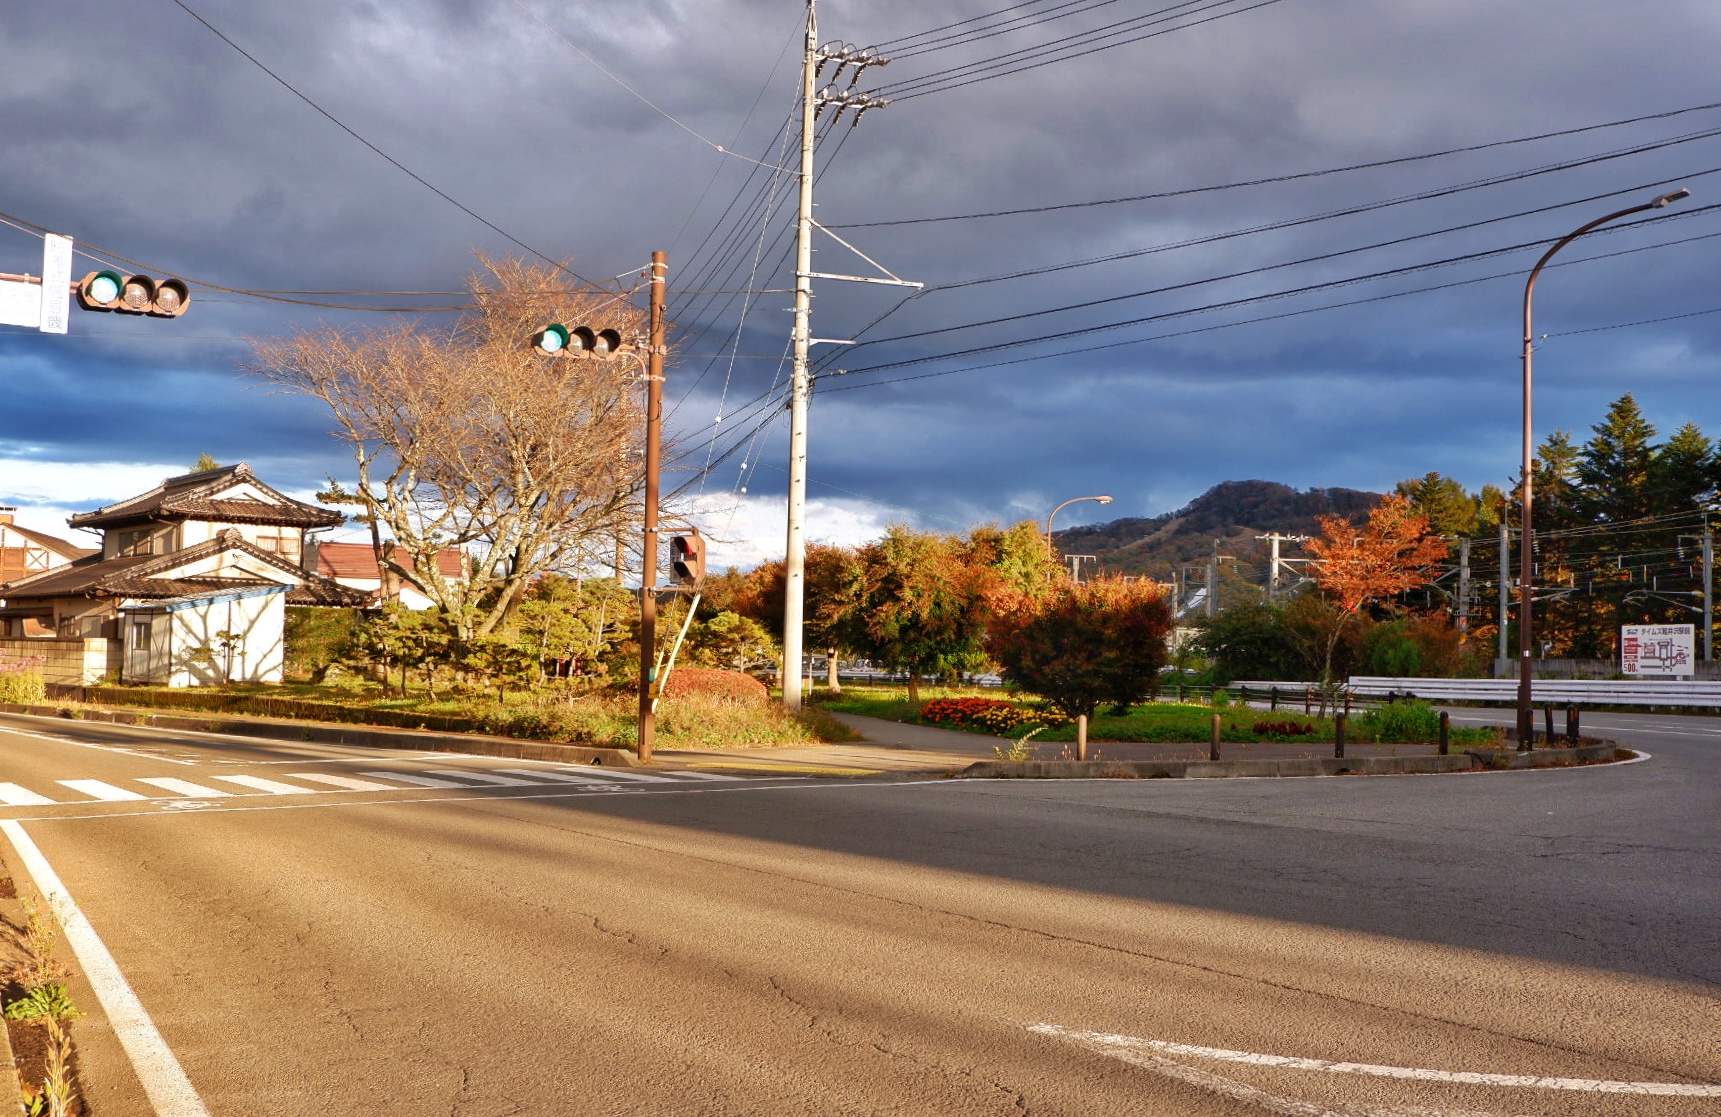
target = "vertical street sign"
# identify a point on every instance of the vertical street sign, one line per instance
(20, 303)
(56, 282)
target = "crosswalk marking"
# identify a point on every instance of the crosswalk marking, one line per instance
(106, 792)
(260, 784)
(484, 778)
(591, 778)
(183, 787)
(618, 774)
(419, 781)
(346, 782)
(14, 796)
(559, 777)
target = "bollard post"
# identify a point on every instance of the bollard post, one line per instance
(1572, 733)
(1180, 692)
(1273, 698)
(1339, 736)
(1347, 703)
(1213, 750)
(1081, 736)
(1548, 722)
(1445, 733)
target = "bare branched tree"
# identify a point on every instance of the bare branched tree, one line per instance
(468, 438)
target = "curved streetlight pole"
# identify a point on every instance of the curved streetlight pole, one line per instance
(1526, 559)
(1073, 500)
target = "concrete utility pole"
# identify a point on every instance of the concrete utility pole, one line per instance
(1708, 593)
(1463, 588)
(813, 101)
(653, 463)
(1505, 583)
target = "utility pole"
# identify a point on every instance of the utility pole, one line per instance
(1708, 593)
(1505, 581)
(648, 575)
(1463, 588)
(1273, 569)
(813, 101)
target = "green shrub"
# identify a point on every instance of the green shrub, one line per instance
(51, 1002)
(1402, 721)
(1221, 698)
(24, 688)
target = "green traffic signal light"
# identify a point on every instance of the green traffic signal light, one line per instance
(551, 339)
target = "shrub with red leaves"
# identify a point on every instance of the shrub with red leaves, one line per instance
(716, 683)
(1282, 729)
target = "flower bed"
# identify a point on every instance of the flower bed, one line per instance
(989, 714)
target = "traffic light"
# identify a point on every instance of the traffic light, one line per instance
(133, 294)
(579, 341)
(687, 558)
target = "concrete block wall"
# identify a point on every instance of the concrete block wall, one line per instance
(75, 662)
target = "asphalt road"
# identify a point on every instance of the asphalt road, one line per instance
(1511, 944)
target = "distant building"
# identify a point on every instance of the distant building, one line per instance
(24, 551)
(354, 565)
(189, 587)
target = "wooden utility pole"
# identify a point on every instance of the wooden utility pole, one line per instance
(648, 574)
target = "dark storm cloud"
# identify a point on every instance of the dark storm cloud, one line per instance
(137, 130)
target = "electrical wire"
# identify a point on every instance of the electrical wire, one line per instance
(391, 160)
(1275, 179)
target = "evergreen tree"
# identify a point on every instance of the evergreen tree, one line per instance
(1683, 472)
(1616, 469)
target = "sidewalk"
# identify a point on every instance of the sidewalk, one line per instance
(890, 747)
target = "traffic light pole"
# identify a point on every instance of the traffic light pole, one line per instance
(648, 574)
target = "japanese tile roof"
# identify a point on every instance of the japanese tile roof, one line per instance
(196, 496)
(61, 547)
(143, 576)
(358, 560)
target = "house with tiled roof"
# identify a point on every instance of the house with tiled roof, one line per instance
(355, 566)
(189, 587)
(25, 551)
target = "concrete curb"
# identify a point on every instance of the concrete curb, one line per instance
(1307, 766)
(332, 734)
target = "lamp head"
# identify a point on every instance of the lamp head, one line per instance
(1103, 499)
(1671, 197)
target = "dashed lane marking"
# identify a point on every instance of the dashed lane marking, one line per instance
(106, 792)
(183, 787)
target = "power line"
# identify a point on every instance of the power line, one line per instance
(397, 164)
(1194, 190)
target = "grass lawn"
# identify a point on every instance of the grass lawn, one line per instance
(1160, 721)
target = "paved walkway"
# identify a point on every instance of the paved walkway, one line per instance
(889, 746)
(892, 746)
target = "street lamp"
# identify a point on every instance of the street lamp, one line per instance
(1526, 563)
(1061, 507)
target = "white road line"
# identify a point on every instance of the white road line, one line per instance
(417, 781)
(14, 796)
(164, 1082)
(559, 777)
(618, 774)
(485, 778)
(106, 792)
(258, 783)
(708, 776)
(183, 787)
(6, 730)
(344, 781)
(1468, 1078)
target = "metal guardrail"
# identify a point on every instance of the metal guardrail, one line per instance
(1607, 692)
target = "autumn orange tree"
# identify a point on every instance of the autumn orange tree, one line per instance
(1355, 567)
(1081, 644)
